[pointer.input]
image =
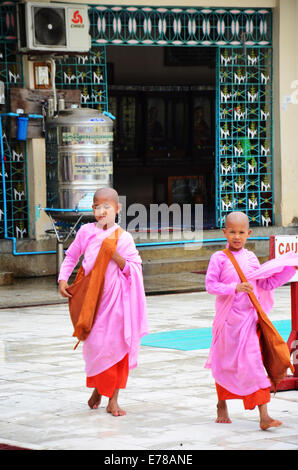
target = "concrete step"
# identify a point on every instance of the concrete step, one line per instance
(189, 251)
(179, 265)
(157, 280)
(174, 283)
(176, 265)
(6, 278)
(179, 251)
(183, 258)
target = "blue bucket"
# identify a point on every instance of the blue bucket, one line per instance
(22, 127)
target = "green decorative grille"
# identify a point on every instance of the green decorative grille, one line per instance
(88, 73)
(13, 214)
(180, 26)
(244, 140)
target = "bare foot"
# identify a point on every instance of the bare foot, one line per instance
(222, 412)
(94, 400)
(269, 423)
(266, 421)
(115, 409)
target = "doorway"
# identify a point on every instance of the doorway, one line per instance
(164, 141)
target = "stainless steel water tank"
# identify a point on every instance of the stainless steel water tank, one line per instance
(79, 157)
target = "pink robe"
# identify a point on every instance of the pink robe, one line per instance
(121, 320)
(235, 356)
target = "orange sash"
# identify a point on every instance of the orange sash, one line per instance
(87, 290)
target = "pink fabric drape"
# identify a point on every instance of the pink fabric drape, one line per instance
(121, 320)
(235, 356)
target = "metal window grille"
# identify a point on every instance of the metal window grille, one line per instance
(88, 73)
(180, 26)
(244, 173)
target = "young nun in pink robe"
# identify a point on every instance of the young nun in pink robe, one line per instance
(235, 357)
(112, 347)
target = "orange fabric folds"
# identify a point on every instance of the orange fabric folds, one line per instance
(87, 290)
(260, 397)
(275, 352)
(107, 381)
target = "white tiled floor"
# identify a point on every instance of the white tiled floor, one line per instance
(170, 398)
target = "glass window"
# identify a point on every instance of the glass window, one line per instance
(201, 125)
(127, 133)
(166, 132)
(155, 129)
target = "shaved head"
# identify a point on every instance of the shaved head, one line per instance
(237, 218)
(237, 230)
(107, 193)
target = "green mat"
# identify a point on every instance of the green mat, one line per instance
(199, 338)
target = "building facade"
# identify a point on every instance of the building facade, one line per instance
(204, 95)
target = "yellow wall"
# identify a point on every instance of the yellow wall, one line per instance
(285, 112)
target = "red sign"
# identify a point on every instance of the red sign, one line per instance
(279, 245)
(283, 244)
(77, 18)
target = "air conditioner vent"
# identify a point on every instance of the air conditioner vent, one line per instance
(50, 26)
(53, 27)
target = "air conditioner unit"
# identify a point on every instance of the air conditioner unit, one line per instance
(53, 27)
